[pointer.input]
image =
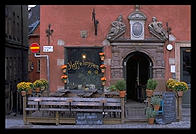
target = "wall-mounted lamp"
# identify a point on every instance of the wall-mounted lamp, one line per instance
(83, 56)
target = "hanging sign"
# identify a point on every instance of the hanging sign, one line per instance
(34, 48)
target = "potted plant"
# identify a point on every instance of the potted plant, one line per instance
(22, 87)
(37, 85)
(150, 114)
(121, 86)
(156, 102)
(44, 84)
(64, 78)
(103, 79)
(112, 88)
(101, 56)
(180, 88)
(170, 84)
(29, 87)
(64, 68)
(151, 85)
(102, 66)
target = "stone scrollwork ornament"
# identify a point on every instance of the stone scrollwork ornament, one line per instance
(156, 29)
(118, 28)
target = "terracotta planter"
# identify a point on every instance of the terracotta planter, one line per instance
(29, 92)
(38, 89)
(149, 92)
(156, 107)
(169, 89)
(65, 81)
(103, 83)
(23, 93)
(64, 70)
(103, 70)
(180, 93)
(151, 121)
(102, 57)
(122, 94)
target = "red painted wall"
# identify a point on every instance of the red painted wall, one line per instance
(67, 22)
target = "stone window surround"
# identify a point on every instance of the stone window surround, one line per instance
(178, 45)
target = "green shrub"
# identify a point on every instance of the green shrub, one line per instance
(151, 84)
(112, 88)
(150, 113)
(155, 100)
(120, 85)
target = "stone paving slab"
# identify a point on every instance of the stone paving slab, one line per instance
(18, 123)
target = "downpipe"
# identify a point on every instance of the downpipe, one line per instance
(47, 68)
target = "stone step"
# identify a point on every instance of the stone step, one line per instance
(136, 119)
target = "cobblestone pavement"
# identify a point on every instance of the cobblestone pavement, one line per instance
(17, 122)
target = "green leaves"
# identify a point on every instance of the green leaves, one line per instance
(152, 84)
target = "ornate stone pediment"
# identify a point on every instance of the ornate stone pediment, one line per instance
(118, 29)
(137, 15)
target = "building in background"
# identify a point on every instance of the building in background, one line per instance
(138, 42)
(34, 37)
(16, 55)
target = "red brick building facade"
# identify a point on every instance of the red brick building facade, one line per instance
(74, 28)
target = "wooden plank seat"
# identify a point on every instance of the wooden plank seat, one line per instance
(68, 106)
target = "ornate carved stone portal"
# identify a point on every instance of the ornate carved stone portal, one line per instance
(122, 48)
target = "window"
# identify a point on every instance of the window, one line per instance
(38, 65)
(83, 67)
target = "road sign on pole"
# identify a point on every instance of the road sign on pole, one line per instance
(34, 48)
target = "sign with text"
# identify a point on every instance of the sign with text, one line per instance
(83, 65)
(89, 119)
(169, 107)
(47, 48)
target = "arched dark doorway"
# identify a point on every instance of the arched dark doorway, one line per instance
(138, 70)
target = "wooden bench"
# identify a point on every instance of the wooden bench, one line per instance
(64, 109)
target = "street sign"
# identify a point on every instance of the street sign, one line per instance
(47, 48)
(34, 48)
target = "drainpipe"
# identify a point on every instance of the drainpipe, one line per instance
(47, 68)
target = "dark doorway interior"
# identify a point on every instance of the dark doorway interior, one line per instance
(185, 72)
(138, 71)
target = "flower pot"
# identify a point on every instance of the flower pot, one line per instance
(37, 89)
(103, 83)
(102, 57)
(151, 121)
(23, 93)
(149, 92)
(156, 107)
(169, 89)
(65, 81)
(64, 70)
(103, 70)
(180, 93)
(29, 92)
(42, 88)
(122, 94)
